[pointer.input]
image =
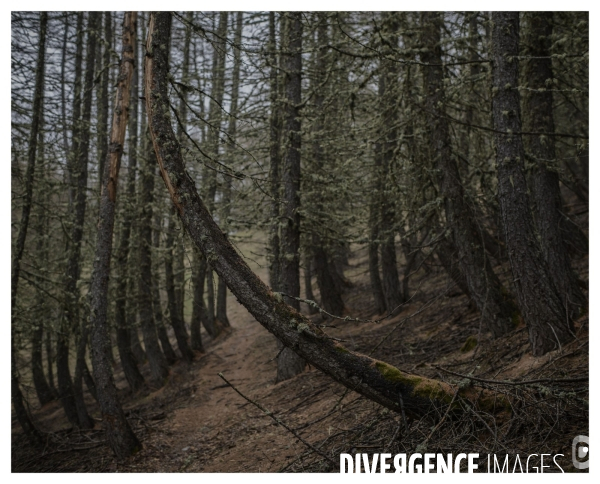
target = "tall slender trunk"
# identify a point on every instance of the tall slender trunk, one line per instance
(215, 118)
(538, 116)
(133, 375)
(273, 256)
(159, 367)
(173, 300)
(44, 392)
(543, 311)
(161, 329)
(495, 305)
(74, 266)
(199, 312)
(23, 417)
(227, 182)
(374, 223)
(308, 263)
(121, 438)
(331, 297)
(289, 363)
(50, 362)
(63, 374)
(102, 96)
(389, 96)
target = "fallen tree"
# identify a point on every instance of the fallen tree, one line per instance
(376, 380)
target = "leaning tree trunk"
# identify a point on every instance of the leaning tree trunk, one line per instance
(374, 379)
(29, 428)
(289, 364)
(121, 438)
(545, 315)
(498, 312)
(538, 117)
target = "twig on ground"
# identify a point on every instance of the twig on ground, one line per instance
(274, 417)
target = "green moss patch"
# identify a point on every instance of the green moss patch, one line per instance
(469, 344)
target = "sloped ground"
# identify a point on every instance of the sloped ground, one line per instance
(197, 423)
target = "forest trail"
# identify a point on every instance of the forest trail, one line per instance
(197, 423)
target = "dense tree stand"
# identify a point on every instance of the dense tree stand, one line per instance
(374, 379)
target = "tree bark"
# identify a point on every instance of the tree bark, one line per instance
(547, 320)
(161, 330)
(173, 301)
(331, 297)
(74, 267)
(213, 141)
(199, 310)
(63, 374)
(388, 97)
(133, 375)
(159, 367)
(32, 433)
(227, 182)
(42, 389)
(498, 312)
(102, 96)
(273, 256)
(121, 438)
(538, 116)
(374, 379)
(288, 363)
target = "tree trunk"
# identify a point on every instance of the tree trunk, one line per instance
(159, 367)
(289, 364)
(121, 438)
(308, 262)
(273, 256)
(50, 362)
(331, 297)
(374, 218)
(173, 301)
(495, 305)
(128, 360)
(102, 95)
(538, 116)
(215, 118)
(232, 133)
(199, 311)
(388, 97)
(161, 330)
(74, 268)
(42, 389)
(545, 315)
(32, 433)
(374, 379)
(63, 374)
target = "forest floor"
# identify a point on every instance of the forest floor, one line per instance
(197, 423)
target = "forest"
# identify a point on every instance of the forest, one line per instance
(255, 241)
